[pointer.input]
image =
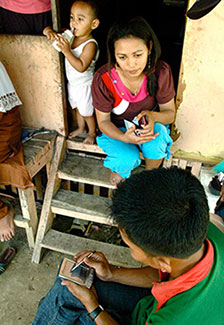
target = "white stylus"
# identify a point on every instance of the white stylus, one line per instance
(75, 267)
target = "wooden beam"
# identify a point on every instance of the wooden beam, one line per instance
(70, 244)
(46, 217)
(55, 11)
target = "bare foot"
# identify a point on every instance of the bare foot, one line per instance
(115, 178)
(90, 139)
(76, 133)
(7, 226)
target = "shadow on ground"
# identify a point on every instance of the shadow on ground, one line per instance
(23, 283)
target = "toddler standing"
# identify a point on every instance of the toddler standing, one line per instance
(80, 61)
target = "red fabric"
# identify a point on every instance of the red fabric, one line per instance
(110, 86)
(163, 291)
(12, 167)
(3, 209)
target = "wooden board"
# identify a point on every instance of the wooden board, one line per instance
(38, 152)
(70, 244)
(19, 220)
(53, 184)
(85, 170)
(193, 166)
(77, 144)
(82, 206)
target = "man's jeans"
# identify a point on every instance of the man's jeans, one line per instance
(59, 306)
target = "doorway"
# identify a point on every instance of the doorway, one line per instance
(167, 18)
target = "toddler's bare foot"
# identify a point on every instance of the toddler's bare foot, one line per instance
(7, 226)
(76, 133)
(90, 139)
(115, 178)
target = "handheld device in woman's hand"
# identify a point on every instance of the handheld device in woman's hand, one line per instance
(143, 121)
(138, 123)
(129, 125)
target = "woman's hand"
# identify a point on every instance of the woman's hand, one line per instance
(145, 135)
(97, 261)
(146, 129)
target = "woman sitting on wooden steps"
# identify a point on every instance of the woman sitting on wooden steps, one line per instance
(134, 84)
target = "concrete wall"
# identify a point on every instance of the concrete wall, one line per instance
(34, 68)
(200, 97)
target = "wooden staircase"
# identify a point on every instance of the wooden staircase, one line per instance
(85, 166)
(84, 170)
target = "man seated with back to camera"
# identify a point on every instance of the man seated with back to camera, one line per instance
(163, 216)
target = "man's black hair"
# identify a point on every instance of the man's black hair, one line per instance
(163, 211)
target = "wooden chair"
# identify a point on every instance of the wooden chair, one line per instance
(37, 155)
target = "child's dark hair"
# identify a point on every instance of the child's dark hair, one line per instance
(163, 211)
(136, 27)
(94, 5)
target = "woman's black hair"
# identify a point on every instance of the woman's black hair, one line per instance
(136, 27)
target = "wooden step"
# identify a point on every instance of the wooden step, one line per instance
(77, 144)
(38, 152)
(70, 244)
(85, 170)
(82, 206)
(19, 220)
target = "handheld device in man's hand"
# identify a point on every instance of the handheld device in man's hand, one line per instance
(82, 275)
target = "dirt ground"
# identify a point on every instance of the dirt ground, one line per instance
(23, 283)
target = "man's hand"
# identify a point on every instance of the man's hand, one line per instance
(88, 297)
(97, 261)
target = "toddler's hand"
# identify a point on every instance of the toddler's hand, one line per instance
(63, 45)
(50, 34)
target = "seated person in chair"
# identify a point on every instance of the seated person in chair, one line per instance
(12, 167)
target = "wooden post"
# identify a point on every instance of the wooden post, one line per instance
(28, 207)
(55, 15)
(53, 184)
